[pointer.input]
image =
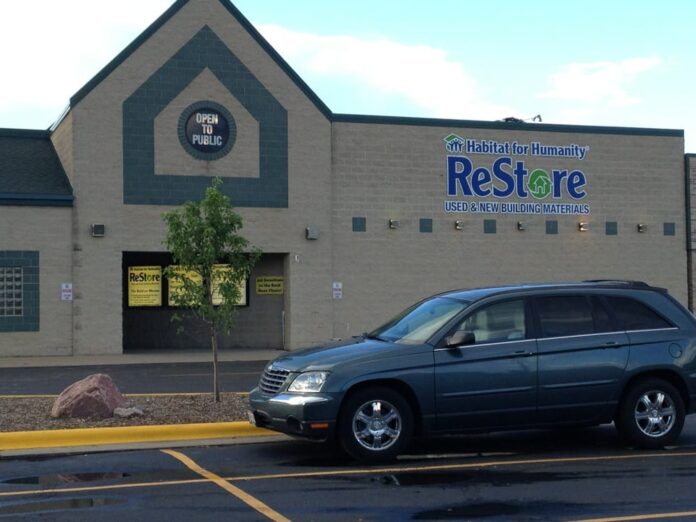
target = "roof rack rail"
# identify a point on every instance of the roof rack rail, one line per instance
(618, 282)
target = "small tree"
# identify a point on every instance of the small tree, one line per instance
(212, 263)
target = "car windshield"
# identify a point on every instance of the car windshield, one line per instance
(420, 322)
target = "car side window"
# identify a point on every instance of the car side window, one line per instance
(633, 315)
(497, 323)
(564, 315)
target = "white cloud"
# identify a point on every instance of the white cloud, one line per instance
(606, 82)
(49, 49)
(423, 76)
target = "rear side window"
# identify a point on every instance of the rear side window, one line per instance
(634, 315)
(560, 316)
(497, 323)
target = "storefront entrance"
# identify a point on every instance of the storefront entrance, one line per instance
(147, 312)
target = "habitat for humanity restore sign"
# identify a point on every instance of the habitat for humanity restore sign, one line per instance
(485, 189)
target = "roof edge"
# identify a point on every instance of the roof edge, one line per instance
(164, 18)
(39, 200)
(125, 53)
(277, 58)
(24, 133)
(501, 125)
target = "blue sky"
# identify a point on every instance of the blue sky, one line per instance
(617, 63)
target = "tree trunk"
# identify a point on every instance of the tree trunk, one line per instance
(216, 383)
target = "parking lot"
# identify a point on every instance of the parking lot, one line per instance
(539, 475)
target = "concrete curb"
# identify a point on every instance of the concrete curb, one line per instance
(72, 438)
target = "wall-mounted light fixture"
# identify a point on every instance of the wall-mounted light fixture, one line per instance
(311, 233)
(641, 228)
(458, 225)
(521, 226)
(583, 226)
(98, 229)
(394, 223)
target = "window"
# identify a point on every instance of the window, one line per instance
(497, 323)
(11, 285)
(633, 315)
(561, 316)
(420, 322)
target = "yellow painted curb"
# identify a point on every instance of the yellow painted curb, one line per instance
(129, 434)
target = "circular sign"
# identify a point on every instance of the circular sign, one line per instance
(539, 184)
(207, 130)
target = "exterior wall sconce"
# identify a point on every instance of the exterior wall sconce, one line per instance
(521, 226)
(394, 223)
(641, 228)
(311, 233)
(458, 225)
(583, 226)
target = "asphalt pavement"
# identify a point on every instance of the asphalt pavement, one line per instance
(580, 475)
(169, 377)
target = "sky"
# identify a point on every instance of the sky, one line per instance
(579, 62)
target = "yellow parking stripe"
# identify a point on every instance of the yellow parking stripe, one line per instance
(358, 471)
(234, 490)
(89, 489)
(654, 516)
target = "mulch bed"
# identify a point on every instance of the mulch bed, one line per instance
(29, 414)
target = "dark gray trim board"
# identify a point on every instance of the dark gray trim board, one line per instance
(502, 125)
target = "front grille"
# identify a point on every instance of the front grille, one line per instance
(273, 379)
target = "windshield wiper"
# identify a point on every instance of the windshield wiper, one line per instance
(375, 337)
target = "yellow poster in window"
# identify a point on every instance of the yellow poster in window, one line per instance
(144, 286)
(270, 285)
(176, 285)
(218, 271)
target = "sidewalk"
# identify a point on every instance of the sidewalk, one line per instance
(243, 354)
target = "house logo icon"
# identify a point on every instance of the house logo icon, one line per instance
(539, 184)
(454, 143)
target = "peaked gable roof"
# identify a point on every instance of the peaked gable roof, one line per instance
(164, 18)
(30, 170)
(356, 118)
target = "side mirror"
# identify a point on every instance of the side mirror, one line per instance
(460, 338)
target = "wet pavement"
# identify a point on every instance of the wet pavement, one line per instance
(537, 475)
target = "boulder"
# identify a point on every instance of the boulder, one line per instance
(95, 396)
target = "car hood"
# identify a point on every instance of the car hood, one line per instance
(328, 356)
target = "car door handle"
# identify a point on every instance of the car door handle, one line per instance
(612, 344)
(522, 353)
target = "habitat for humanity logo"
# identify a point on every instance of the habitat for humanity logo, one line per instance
(506, 178)
(454, 143)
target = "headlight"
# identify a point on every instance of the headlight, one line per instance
(308, 382)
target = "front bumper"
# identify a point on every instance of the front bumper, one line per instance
(311, 416)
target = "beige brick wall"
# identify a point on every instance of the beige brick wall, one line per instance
(387, 172)
(336, 172)
(98, 124)
(62, 139)
(46, 230)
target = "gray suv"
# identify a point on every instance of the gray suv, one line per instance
(488, 359)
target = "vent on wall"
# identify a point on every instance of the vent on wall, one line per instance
(98, 229)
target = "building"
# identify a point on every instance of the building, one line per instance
(357, 216)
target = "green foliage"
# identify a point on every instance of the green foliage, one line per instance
(201, 235)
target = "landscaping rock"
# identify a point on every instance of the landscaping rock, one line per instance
(127, 413)
(95, 396)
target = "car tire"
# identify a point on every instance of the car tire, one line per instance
(375, 424)
(651, 414)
